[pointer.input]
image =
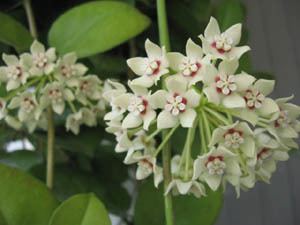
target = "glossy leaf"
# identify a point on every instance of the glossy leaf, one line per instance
(188, 210)
(82, 209)
(95, 27)
(23, 199)
(14, 33)
(230, 12)
(23, 159)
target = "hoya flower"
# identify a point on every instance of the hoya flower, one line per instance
(13, 122)
(67, 70)
(184, 185)
(257, 102)
(189, 66)
(111, 90)
(138, 107)
(2, 108)
(217, 165)
(222, 45)
(88, 87)
(55, 94)
(223, 87)
(149, 68)
(177, 103)
(146, 165)
(42, 61)
(286, 125)
(74, 122)
(268, 152)
(83, 116)
(15, 73)
(28, 106)
(236, 137)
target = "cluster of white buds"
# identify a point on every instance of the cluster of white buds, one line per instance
(38, 80)
(243, 132)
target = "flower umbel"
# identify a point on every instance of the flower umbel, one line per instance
(243, 132)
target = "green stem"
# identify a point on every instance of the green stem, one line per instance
(163, 24)
(30, 18)
(22, 88)
(50, 148)
(51, 128)
(165, 140)
(217, 115)
(157, 131)
(166, 155)
(202, 135)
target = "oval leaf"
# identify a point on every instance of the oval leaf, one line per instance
(96, 27)
(14, 33)
(82, 209)
(188, 210)
(23, 199)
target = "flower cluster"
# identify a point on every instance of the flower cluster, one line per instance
(39, 80)
(243, 132)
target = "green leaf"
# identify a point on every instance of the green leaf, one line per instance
(70, 180)
(95, 27)
(23, 199)
(230, 12)
(23, 160)
(82, 209)
(188, 210)
(14, 33)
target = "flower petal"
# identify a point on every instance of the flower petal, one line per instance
(166, 120)
(234, 32)
(212, 28)
(176, 84)
(193, 50)
(158, 99)
(131, 121)
(138, 65)
(212, 95)
(237, 52)
(229, 66)
(148, 118)
(153, 51)
(268, 107)
(248, 147)
(143, 81)
(193, 98)
(234, 101)
(175, 59)
(10, 60)
(37, 47)
(244, 81)
(213, 181)
(187, 118)
(264, 86)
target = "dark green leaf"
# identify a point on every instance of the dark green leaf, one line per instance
(82, 209)
(23, 160)
(14, 33)
(23, 199)
(95, 27)
(188, 210)
(230, 12)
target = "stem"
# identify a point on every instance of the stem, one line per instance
(51, 128)
(30, 18)
(166, 155)
(50, 148)
(163, 24)
(166, 138)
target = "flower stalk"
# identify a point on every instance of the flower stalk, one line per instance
(50, 119)
(166, 154)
